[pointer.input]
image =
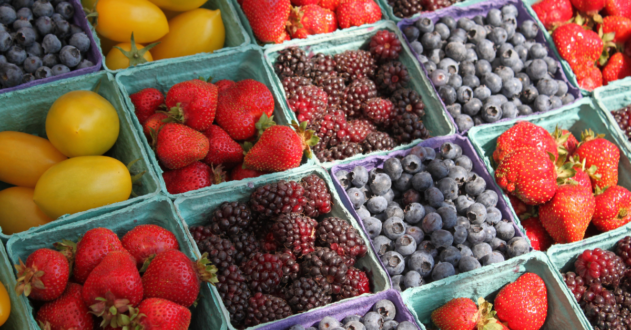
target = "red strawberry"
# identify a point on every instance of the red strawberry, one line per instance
(528, 174)
(91, 249)
(67, 312)
(146, 103)
(590, 7)
(580, 47)
(329, 4)
(193, 103)
(179, 146)
(599, 152)
(357, 12)
(553, 12)
(590, 79)
(519, 206)
(567, 215)
(267, 18)
(618, 8)
(540, 240)
(44, 276)
(145, 241)
(619, 25)
(456, 314)
(566, 142)
(310, 19)
(304, 2)
(240, 173)
(612, 208)
(112, 287)
(618, 67)
(223, 149)
(524, 134)
(172, 275)
(223, 85)
(242, 106)
(523, 304)
(191, 177)
(152, 125)
(159, 314)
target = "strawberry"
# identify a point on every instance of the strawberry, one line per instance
(553, 12)
(193, 103)
(152, 125)
(597, 151)
(44, 276)
(172, 275)
(280, 148)
(583, 175)
(580, 47)
(524, 134)
(618, 8)
(303, 2)
(145, 241)
(618, 67)
(567, 215)
(267, 19)
(112, 287)
(566, 142)
(310, 19)
(223, 85)
(591, 7)
(158, 314)
(519, 206)
(523, 304)
(242, 106)
(528, 174)
(357, 12)
(240, 173)
(66, 312)
(590, 79)
(91, 249)
(223, 149)
(456, 314)
(179, 146)
(612, 208)
(329, 4)
(619, 25)
(540, 240)
(146, 103)
(191, 177)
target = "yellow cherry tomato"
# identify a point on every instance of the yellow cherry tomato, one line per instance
(82, 123)
(25, 158)
(196, 31)
(5, 304)
(115, 59)
(18, 213)
(179, 5)
(117, 19)
(82, 183)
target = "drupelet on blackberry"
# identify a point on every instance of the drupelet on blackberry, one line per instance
(318, 196)
(405, 8)
(357, 93)
(230, 218)
(296, 232)
(408, 127)
(263, 308)
(305, 293)
(355, 64)
(291, 84)
(234, 292)
(339, 152)
(356, 284)
(293, 62)
(279, 197)
(378, 140)
(407, 100)
(392, 76)
(385, 46)
(322, 65)
(246, 244)
(341, 237)
(264, 272)
(326, 266)
(220, 250)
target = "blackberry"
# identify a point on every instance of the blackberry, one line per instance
(600, 266)
(305, 293)
(378, 141)
(379, 111)
(318, 196)
(234, 293)
(230, 218)
(291, 268)
(407, 101)
(355, 64)
(576, 284)
(433, 5)
(296, 232)
(358, 129)
(600, 308)
(263, 308)
(327, 267)
(308, 102)
(220, 251)
(405, 8)
(322, 65)
(356, 284)
(264, 272)
(358, 92)
(291, 84)
(623, 118)
(279, 197)
(339, 152)
(200, 233)
(623, 249)
(408, 127)
(341, 237)
(333, 85)
(246, 245)
(293, 62)
(332, 129)
(385, 46)
(392, 76)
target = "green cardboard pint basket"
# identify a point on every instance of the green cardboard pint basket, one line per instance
(615, 97)
(19, 319)
(389, 10)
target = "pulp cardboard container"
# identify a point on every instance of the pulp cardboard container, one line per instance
(437, 121)
(19, 318)
(472, 9)
(612, 97)
(25, 111)
(386, 6)
(563, 310)
(236, 64)
(158, 211)
(196, 211)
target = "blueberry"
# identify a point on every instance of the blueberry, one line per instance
(24, 13)
(16, 55)
(363, 213)
(538, 69)
(537, 51)
(394, 263)
(439, 77)
(510, 25)
(490, 232)
(482, 93)
(437, 169)
(460, 234)
(463, 161)
(412, 279)
(509, 110)
(505, 230)
(479, 19)
(386, 309)
(475, 186)
(553, 66)
(522, 52)
(393, 168)
(498, 244)
(373, 227)
(567, 99)
(43, 72)
(493, 82)
(498, 99)
(458, 35)
(517, 246)
(62, 28)
(297, 327)
(6, 41)
(482, 67)
(44, 25)
(480, 250)
(510, 10)
(351, 318)
(529, 29)
(377, 204)
(357, 197)
(27, 78)
(434, 197)
(393, 228)
(463, 203)
(431, 40)
(492, 258)
(471, 80)
(65, 9)
(465, 250)
(464, 94)
(380, 184)
(466, 68)
(542, 104)
(25, 37)
(421, 262)
(547, 87)
(468, 263)
(436, 55)
(466, 24)
(555, 102)
(382, 244)
(451, 254)
(464, 122)
(493, 215)
(10, 75)
(405, 245)
(416, 233)
(494, 17)
(505, 73)
(21, 23)
(414, 213)
(471, 55)
(476, 34)
(7, 15)
(449, 65)
(509, 58)
(412, 164)
(430, 67)
(443, 270)
(486, 50)
(417, 47)
(425, 25)
(21, 3)
(529, 94)
(456, 51)
(442, 238)
(32, 63)
(411, 33)
(449, 21)
(407, 325)
(51, 44)
(404, 183)
(70, 56)
(343, 178)
(491, 112)
(476, 235)
(80, 41)
(524, 110)
(454, 109)
(498, 36)
(394, 210)
(396, 282)
(455, 81)
(448, 187)
(561, 88)
(35, 50)
(431, 222)
(422, 181)
(476, 213)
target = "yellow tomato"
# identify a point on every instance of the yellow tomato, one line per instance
(25, 158)
(18, 213)
(179, 5)
(117, 19)
(5, 304)
(115, 59)
(82, 183)
(196, 31)
(82, 123)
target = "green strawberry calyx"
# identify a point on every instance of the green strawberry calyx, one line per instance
(560, 139)
(136, 56)
(111, 310)
(309, 138)
(206, 270)
(68, 248)
(487, 319)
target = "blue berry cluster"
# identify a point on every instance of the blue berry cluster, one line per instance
(488, 68)
(38, 41)
(429, 216)
(380, 318)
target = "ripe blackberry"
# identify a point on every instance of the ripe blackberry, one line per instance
(263, 308)
(308, 102)
(332, 129)
(339, 152)
(623, 118)
(600, 308)
(246, 245)
(291, 268)
(200, 233)
(268, 242)
(359, 129)
(392, 76)
(234, 293)
(355, 64)
(405, 8)
(433, 5)
(322, 65)
(356, 284)
(327, 267)
(385, 46)
(318, 196)
(407, 101)
(600, 266)
(358, 92)
(408, 127)
(341, 237)
(378, 110)
(293, 62)
(296, 232)
(279, 197)
(220, 251)
(576, 284)
(378, 141)
(333, 85)
(230, 218)
(305, 293)
(623, 249)
(264, 272)
(291, 84)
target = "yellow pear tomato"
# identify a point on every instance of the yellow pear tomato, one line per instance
(25, 158)
(115, 59)
(117, 19)
(18, 213)
(196, 31)
(179, 5)
(82, 183)
(5, 304)
(82, 123)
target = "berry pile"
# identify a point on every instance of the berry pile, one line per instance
(488, 68)
(623, 118)
(38, 41)
(271, 251)
(357, 101)
(409, 8)
(382, 316)
(430, 216)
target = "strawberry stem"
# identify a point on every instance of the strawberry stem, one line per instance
(206, 270)
(135, 55)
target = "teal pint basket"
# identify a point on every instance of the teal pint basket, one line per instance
(614, 97)
(388, 9)
(19, 319)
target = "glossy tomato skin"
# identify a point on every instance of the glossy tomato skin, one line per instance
(25, 157)
(196, 31)
(179, 5)
(5, 304)
(18, 212)
(82, 123)
(82, 183)
(116, 60)
(117, 19)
